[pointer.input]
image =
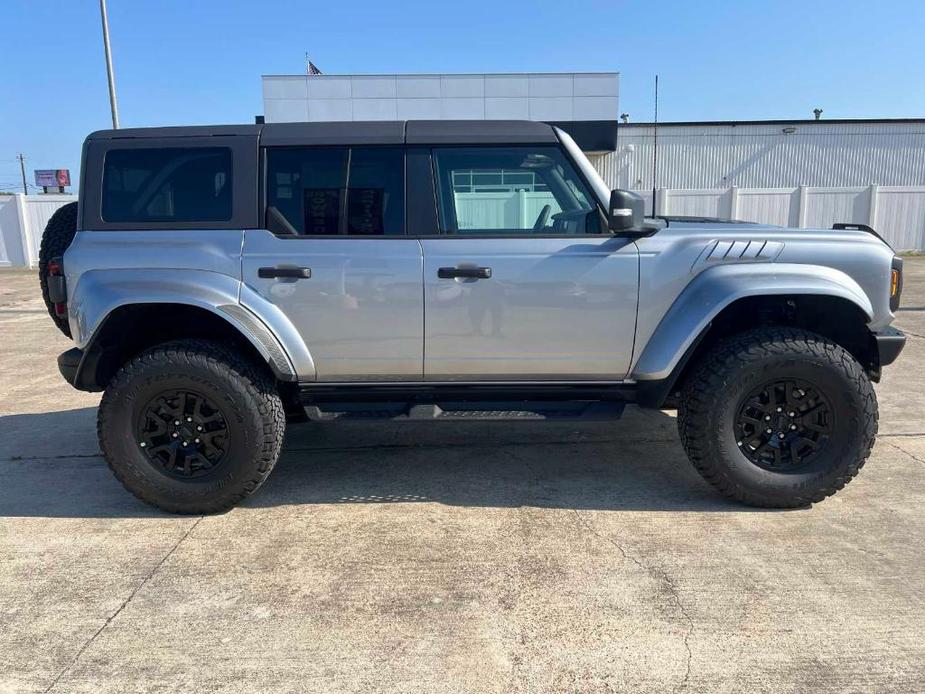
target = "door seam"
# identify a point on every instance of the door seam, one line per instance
(423, 312)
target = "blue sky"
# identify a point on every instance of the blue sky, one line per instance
(200, 61)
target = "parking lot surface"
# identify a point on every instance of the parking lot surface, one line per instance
(452, 557)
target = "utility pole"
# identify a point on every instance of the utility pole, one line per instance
(22, 170)
(655, 151)
(112, 83)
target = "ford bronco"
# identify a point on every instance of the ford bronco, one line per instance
(219, 282)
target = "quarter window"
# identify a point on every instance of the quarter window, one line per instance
(512, 190)
(173, 185)
(319, 191)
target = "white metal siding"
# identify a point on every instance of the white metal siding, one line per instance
(762, 156)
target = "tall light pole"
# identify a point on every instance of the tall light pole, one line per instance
(22, 170)
(112, 83)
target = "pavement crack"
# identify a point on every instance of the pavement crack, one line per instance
(121, 607)
(20, 458)
(903, 450)
(662, 575)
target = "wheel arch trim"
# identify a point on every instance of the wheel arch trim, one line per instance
(713, 290)
(99, 294)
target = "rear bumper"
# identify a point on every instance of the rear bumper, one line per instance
(890, 343)
(69, 363)
(79, 368)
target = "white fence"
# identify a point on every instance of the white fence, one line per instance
(502, 210)
(22, 221)
(896, 212)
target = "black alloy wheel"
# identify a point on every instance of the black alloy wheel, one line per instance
(183, 434)
(784, 425)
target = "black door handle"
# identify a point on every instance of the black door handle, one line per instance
(476, 273)
(296, 273)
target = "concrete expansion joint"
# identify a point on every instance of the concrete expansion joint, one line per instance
(663, 576)
(121, 607)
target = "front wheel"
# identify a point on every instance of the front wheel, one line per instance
(191, 426)
(778, 417)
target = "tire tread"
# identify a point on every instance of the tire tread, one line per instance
(58, 234)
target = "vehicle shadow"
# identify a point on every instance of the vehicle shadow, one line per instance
(50, 466)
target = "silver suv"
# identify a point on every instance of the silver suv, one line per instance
(221, 281)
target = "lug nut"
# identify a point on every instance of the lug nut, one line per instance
(175, 434)
(198, 428)
(780, 436)
(186, 443)
(767, 431)
(189, 419)
(177, 422)
(196, 441)
(780, 409)
(767, 418)
(793, 427)
(142, 444)
(791, 414)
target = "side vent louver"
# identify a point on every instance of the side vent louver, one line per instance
(754, 250)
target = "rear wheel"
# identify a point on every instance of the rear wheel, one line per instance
(191, 426)
(59, 232)
(778, 417)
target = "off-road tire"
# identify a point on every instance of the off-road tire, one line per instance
(59, 232)
(251, 406)
(712, 395)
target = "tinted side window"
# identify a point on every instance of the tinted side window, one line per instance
(167, 185)
(335, 190)
(512, 190)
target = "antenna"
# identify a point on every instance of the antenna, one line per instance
(655, 150)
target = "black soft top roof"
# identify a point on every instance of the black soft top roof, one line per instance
(357, 132)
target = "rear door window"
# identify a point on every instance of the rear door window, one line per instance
(172, 185)
(324, 191)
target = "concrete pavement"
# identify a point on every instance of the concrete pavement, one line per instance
(452, 557)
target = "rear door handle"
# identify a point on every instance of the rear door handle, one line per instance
(477, 273)
(296, 273)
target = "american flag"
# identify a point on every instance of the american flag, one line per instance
(312, 70)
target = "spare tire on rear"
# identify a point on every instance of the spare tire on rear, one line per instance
(59, 232)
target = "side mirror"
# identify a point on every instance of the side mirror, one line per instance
(626, 212)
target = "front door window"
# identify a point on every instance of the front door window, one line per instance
(512, 190)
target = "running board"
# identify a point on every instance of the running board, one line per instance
(517, 411)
